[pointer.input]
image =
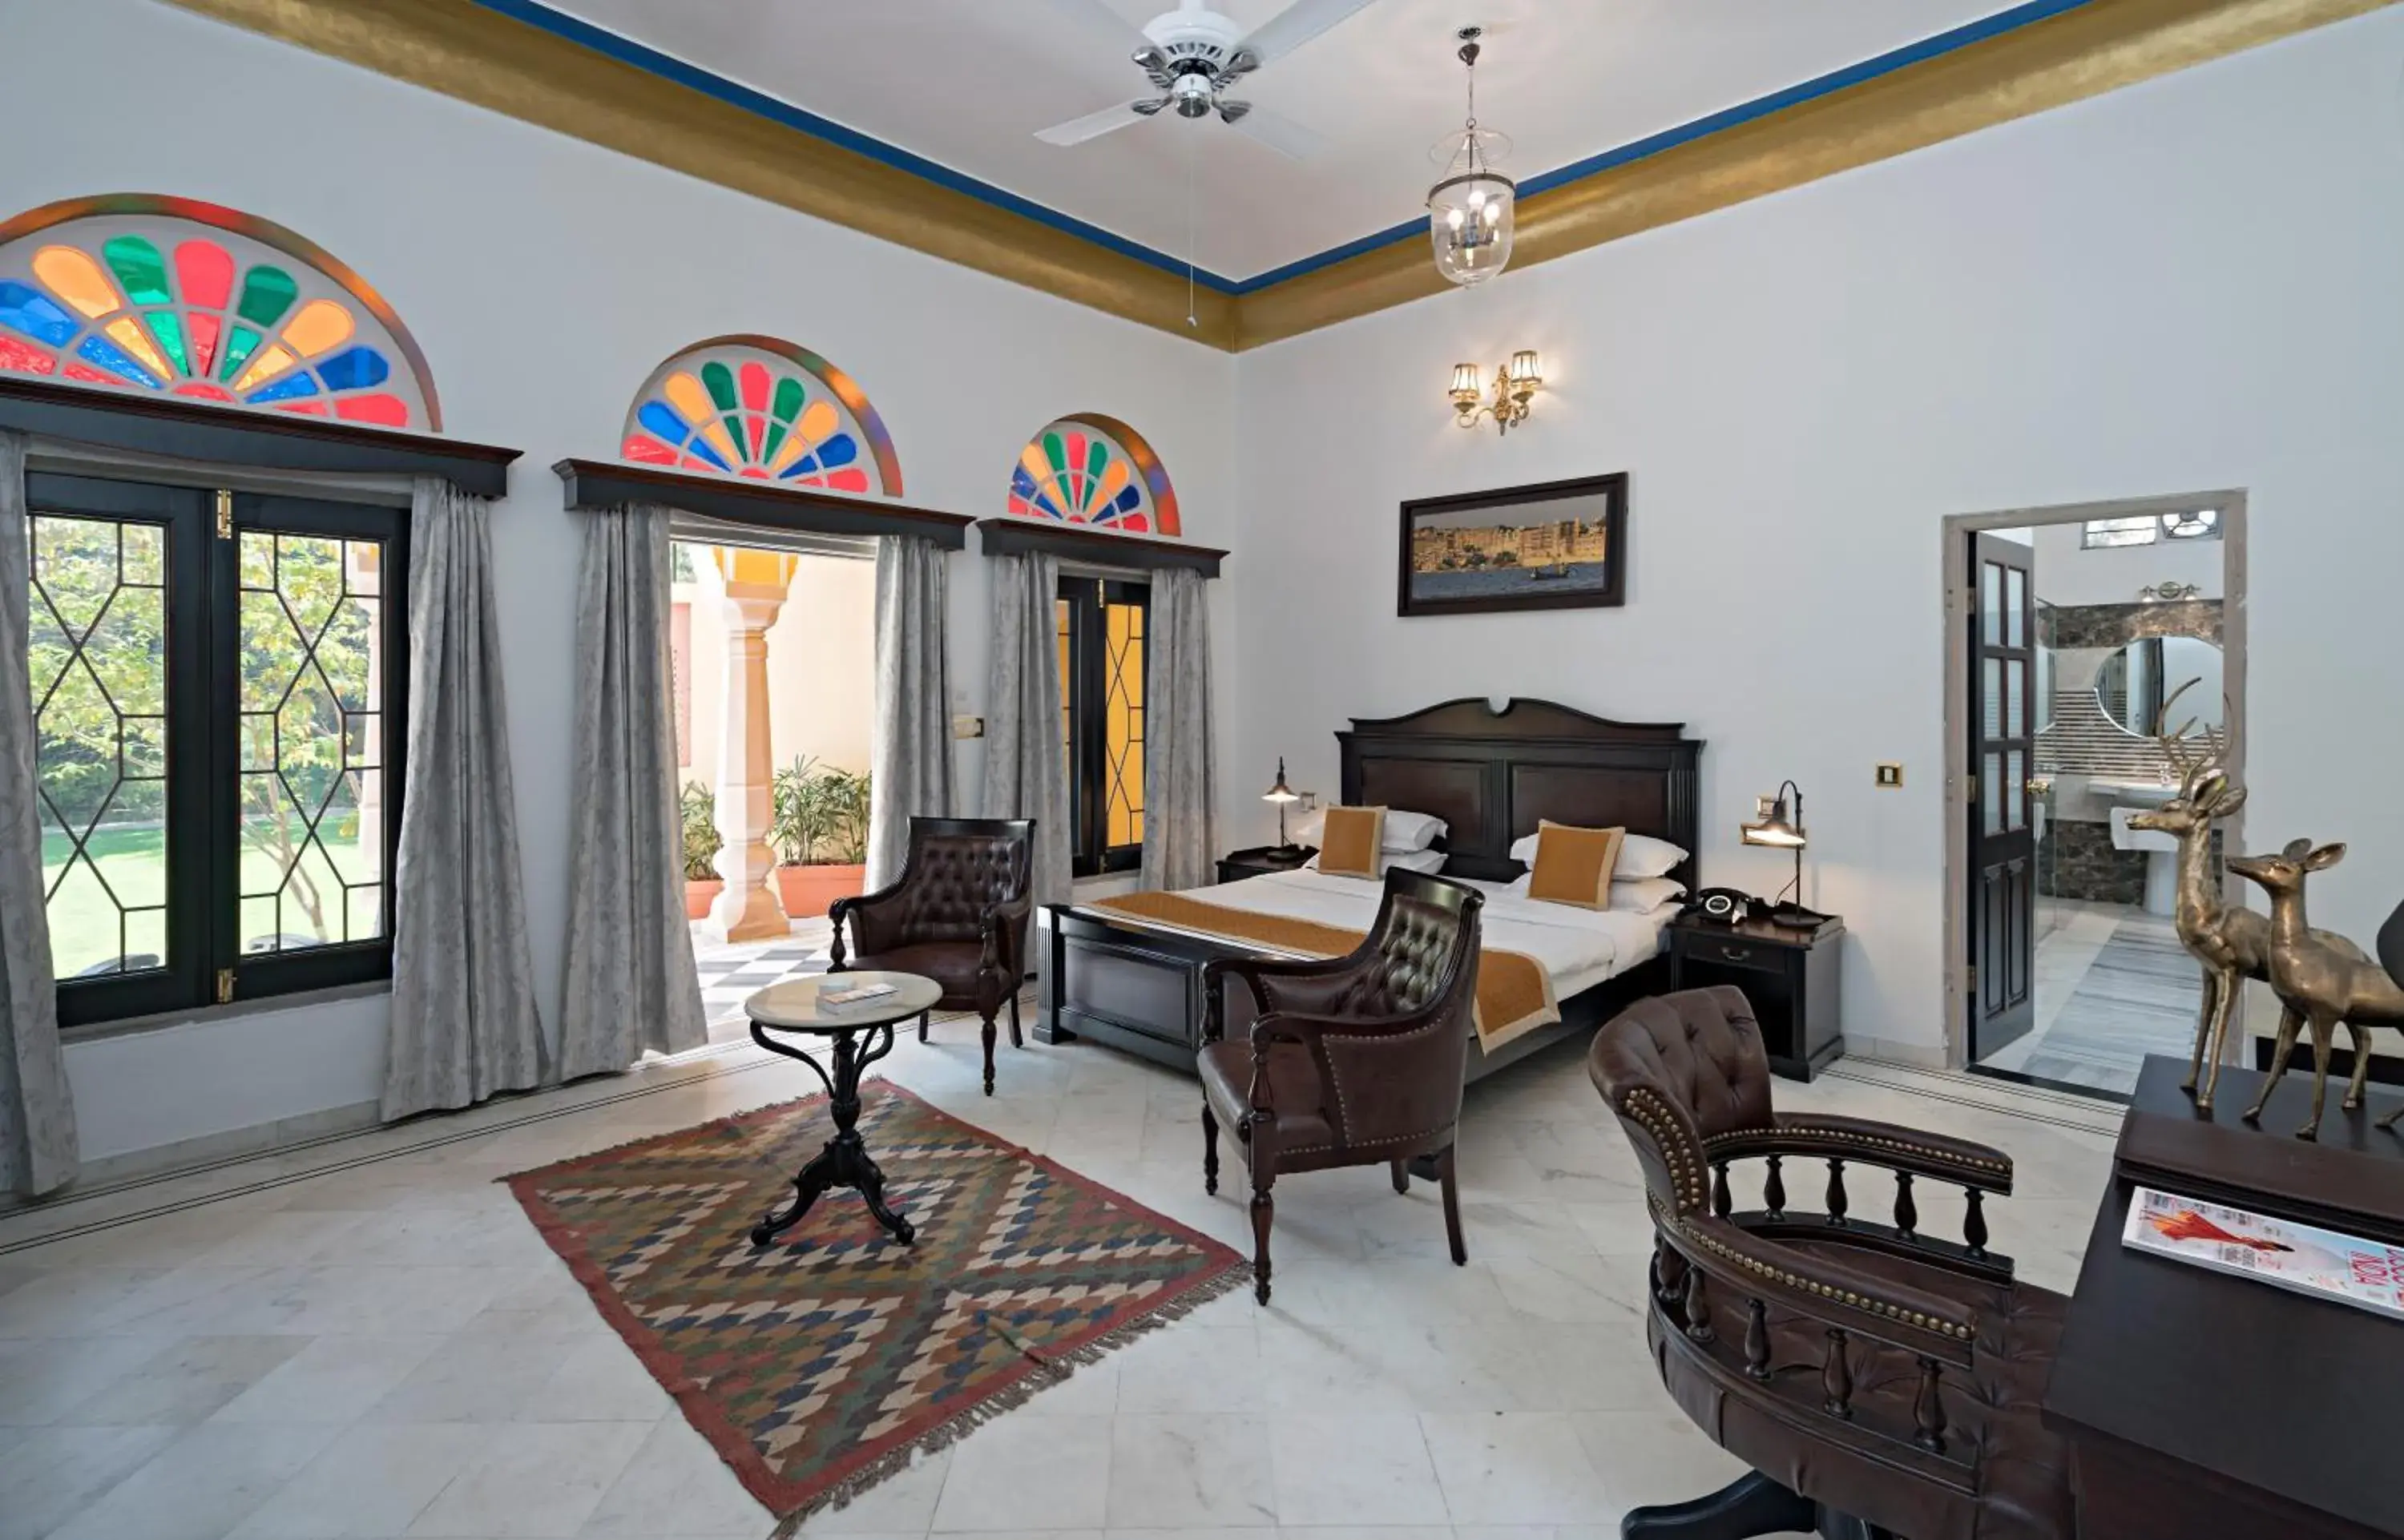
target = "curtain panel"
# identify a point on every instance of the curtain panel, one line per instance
(631, 984)
(464, 1025)
(910, 748)
(1181, 781)
(1025, 764)
(37, 1126)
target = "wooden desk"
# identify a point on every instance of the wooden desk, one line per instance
(2198, 1405)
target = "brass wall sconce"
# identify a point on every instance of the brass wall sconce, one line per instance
(1516, 384)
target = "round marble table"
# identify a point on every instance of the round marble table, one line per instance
(860, 1034)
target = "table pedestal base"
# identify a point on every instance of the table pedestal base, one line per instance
(843, 1162)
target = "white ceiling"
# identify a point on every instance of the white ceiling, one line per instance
(967, 83)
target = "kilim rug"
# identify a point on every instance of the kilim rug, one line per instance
(817, 1366)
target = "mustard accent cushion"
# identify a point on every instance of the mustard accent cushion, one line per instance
(1573, 865)
(1351, 841)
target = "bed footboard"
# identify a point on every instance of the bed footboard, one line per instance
(1129, 987)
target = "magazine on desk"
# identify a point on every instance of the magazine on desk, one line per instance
(2366, 1274)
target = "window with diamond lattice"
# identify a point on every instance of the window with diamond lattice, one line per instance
(218, 718)
(1101, 626)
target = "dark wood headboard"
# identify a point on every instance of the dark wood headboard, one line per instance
(1492, 776)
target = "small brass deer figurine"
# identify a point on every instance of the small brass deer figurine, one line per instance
(2325, 984)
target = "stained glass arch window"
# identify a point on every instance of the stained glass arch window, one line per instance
(763, 410)
(135, 291)
(1092, 470)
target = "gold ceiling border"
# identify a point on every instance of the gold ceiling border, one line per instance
(465, 50)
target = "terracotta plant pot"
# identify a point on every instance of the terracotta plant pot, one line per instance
(809, 891)
(699, 895)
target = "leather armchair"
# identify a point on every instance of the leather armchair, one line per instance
(958, 914)
(1354, 1062)
(1880, 1381)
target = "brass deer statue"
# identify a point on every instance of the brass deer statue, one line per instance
(2323, 982)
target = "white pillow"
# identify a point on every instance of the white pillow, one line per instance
(1404, 831)
(1640, 855)
(1642, 896)
(1429, 862)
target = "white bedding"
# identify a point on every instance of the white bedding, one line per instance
(1578, 947)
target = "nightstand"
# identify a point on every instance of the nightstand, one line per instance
(1790, 976)
(1236, 866)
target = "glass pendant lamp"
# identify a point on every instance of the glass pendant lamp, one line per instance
(1471, 208)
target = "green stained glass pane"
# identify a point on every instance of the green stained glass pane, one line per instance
(1056, 452)
(1098, 455)
(775, 437)
(241, 342)
(168, 327)
(786, 403)
(139, 267)
(267, 293)
(721, 382)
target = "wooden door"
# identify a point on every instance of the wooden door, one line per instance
(2003, 848)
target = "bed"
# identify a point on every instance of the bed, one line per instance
(1492, 776)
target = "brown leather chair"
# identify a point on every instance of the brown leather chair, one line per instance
(1878, 1381)
(1354, 1062)
(958, 914)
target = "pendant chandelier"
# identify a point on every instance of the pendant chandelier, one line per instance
(1470, 210)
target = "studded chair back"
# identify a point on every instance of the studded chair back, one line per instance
(1680, 1069)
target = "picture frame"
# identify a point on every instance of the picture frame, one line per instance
(1518, 548)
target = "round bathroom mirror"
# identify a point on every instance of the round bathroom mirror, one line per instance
(2137, 678)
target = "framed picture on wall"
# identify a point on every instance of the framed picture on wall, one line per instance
(1560, 545)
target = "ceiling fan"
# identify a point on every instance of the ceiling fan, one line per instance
(1191, 55)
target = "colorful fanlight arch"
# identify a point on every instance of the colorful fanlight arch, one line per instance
(142, 291)
(1092, 470)
(763, 410)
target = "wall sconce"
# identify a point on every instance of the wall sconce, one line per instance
(1514, 384)
(2168, 592)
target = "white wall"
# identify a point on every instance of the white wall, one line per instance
(545, 278)
(2191, 283)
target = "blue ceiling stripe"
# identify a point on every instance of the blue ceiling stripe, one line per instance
(601, 40)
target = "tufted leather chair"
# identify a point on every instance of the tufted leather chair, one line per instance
(1353, 1062)
(958, 914)
(1879, 1380)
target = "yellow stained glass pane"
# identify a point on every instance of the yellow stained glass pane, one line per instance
(272, 360)
(128, 334)
(1062, 612)
(818, 422)
(75, 277)
(685, 394)
(1122, 723)
(320, 324)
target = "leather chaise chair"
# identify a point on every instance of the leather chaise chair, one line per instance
(1358, 1060)
(1880, 1382)
(958, 914)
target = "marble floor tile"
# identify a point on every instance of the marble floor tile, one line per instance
(371, 1482)
(1029, 1471)
(200, 1485)
(49, 1475)
(1186, 1470)
(1353, 1470)
(532, 1479)
(676, 1487)
(1512, 1469)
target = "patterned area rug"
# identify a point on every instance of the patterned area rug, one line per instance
(817, 1366)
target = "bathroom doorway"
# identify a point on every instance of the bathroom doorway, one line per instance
(2098, 664)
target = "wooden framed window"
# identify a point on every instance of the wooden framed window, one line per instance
(219, 688)
(1102, 626)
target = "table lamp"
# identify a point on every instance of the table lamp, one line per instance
(1786, 833)
(1281, 794)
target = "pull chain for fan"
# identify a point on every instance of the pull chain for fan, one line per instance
(1190, 138)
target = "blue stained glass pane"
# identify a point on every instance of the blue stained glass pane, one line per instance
(700, 450)
(1020, 483)
(802, 467)
(99, 350)
(354, 368)
(290, 388)
(662, 422)
(35, 314)
(840, 450)
(1126, 500)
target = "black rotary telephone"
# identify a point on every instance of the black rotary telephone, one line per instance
(1721, 905)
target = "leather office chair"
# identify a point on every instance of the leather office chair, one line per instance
(958, 914)
(1880, 1382)
(1357, 1060)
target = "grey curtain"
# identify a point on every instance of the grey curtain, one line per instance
(37, 1126)
(1025, 765)
(1180, 782)
(910, 748)
(463, 1014)
(631, 983)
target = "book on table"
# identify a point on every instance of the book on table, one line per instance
(851, 995)
(2367, 1275)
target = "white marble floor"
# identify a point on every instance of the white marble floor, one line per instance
(385, 1348)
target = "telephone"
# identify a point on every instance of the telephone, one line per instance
(1721, 905)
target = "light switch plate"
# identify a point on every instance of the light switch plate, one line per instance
(1309, 802)
(1763, 807)
(1889, 774)
(968, 727)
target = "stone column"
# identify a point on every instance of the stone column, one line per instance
(753, 591)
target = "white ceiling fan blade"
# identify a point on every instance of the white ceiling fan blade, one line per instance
(1281, 134)
(1295, 25)
(1076, 131)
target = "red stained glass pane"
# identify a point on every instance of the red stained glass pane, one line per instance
(25, 358)
(1135, 524)
(382, 410)
(755, 385)
(202, 390)
(643, 447)
(205, 272)
(86, 374)
(306, 409)
(204, 329)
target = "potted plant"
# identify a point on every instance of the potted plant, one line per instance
(819, 824)
(699, 806)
